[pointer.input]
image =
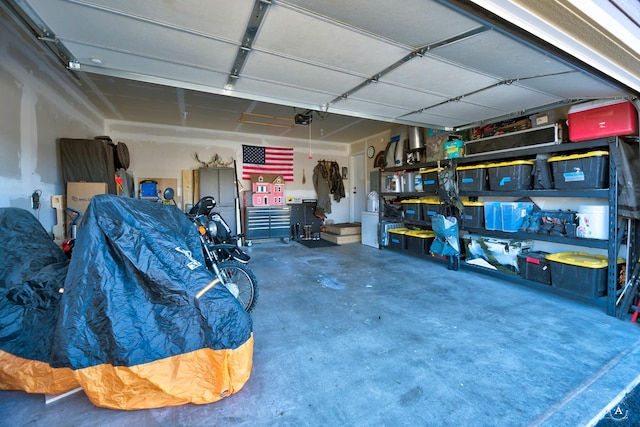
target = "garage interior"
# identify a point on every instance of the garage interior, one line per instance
(346, 334)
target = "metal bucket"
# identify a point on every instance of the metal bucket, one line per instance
(416, 138)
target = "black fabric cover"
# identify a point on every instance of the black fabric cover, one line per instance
(626, 156)
(90, 160)
(130, 292)
(32, 270)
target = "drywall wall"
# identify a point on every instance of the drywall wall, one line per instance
(164, 151)
(40, 103)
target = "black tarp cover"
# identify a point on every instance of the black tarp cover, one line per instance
(32, 271)
(130, 326)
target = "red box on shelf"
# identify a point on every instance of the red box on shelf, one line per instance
(601, 119)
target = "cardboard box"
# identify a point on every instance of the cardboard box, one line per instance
(79, 194)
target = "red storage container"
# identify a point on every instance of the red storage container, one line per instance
(600, 119)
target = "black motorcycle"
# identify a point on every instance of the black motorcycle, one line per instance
(221, 252)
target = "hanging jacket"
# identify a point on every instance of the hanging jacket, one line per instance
(323, 190)
(337, 186)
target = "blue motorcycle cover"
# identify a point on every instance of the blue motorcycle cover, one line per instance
(132, 326)
(32, 271)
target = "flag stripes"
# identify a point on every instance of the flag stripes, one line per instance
(268, 161)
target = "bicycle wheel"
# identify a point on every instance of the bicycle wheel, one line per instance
(241, 282)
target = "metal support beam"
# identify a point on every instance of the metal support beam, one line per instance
(420, 52)
(255, 21)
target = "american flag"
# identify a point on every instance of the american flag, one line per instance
(268, 161)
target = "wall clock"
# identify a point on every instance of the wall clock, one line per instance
(371, 151)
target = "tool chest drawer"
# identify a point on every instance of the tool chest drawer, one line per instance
(267, 222)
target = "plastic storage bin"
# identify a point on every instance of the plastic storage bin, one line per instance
(593, 222)
(419, 241)
(397, 239)
(510, 176)
(430, 207)
(587, 170)
(472, 215)
(535, 266)
(579, 273)
(472, 178)
(430, 180)
(506, 216)
(412, 209)
(600, 119)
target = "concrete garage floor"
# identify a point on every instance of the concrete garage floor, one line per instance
(355, 336)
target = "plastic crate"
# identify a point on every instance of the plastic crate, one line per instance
(397, 239)
(535, 266)
(580, 273)
(510, 176)
(430, 180)
(588, 170)
(472, 178)
(412, 209)
(506, 216)
(419, 241)
(472, 215)
(430, 208)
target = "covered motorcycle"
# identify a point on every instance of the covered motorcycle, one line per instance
(32, 271)
(143, 323)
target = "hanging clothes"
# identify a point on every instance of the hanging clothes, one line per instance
(323, 190)
(327, 181)
(337, 186)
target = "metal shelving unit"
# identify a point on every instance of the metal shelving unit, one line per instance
(612, 245)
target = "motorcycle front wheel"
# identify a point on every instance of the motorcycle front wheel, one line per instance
(241, 282)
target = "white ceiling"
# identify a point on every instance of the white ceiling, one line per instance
(361, 66)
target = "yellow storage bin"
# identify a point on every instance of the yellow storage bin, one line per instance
(580, 273)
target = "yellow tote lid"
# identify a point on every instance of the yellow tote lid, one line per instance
(398, 230)
(410, 201)
(512, 163)
(578, 156)
(468, 203)
(469, 167)
(430, 170)
(581, 259)
(424, 234)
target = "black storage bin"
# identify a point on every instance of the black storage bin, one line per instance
(580, 273)
(587, 170)
(510, 176)
(472, 178)
(412, 210)
(419, 241)
(472, 215)
(397, 240)
(430, 208)
(430, 180)
(535, 267)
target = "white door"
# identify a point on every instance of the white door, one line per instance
(358, 187)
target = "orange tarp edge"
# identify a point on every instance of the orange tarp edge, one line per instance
(34, 376)
(199, 377)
